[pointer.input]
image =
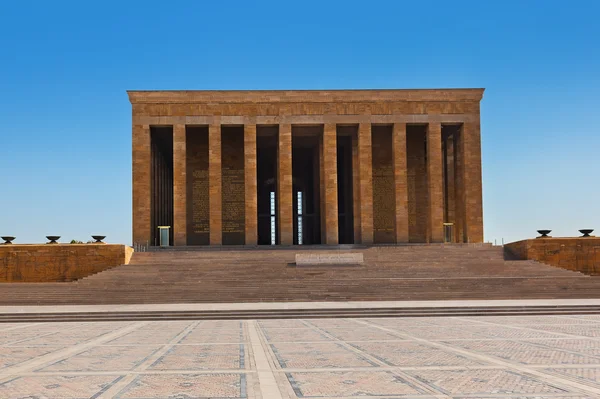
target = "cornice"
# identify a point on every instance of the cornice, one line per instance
(300, 96)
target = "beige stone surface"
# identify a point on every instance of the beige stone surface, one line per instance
(165, 307)
(128, 254)
(526, 357)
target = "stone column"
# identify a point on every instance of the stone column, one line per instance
(179, 186)
(435, 182)
(355, 190)
(322, 211)
(142, 188)
(214, 185)
(250, 185)
(471, 158)
(365, 164)
(400, 181)
(450, 204)
(459, 192)
(284, 185)
(330, 180)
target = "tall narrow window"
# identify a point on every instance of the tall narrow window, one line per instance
(272, 213)
(299, 217)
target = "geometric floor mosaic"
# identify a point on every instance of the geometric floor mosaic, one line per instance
(518, 357)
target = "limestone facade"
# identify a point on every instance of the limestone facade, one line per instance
(337, 166)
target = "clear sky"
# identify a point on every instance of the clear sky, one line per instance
(65, 120)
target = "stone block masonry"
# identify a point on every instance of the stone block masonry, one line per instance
(45, 263)
(370, 166)
(572, 253)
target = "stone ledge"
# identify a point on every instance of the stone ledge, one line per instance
(275, 96)
(329, 259)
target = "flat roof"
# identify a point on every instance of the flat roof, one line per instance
(287, 96)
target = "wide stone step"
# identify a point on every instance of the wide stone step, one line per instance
(373, 312)
(389, 273)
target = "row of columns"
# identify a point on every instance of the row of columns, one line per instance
(469, 195)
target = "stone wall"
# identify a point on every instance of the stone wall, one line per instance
(232, 182)
(578, 254)
(384, 200)
(301, 102)
(42, 263)
(197, 186)
(207, 162)
(417, 184)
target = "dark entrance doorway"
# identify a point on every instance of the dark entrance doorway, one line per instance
(306, 171)
(161, 199)
(344, 183)
(266, 155)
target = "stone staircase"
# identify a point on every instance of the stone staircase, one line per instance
(410, 272)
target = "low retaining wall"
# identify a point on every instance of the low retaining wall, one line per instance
(42, 263)
(577, 253)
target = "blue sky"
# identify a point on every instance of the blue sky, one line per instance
(65, 121)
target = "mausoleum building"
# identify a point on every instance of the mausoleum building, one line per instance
(298, 167)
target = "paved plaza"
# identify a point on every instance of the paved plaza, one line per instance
(523, 357)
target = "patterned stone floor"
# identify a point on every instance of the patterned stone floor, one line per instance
(525, 357)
